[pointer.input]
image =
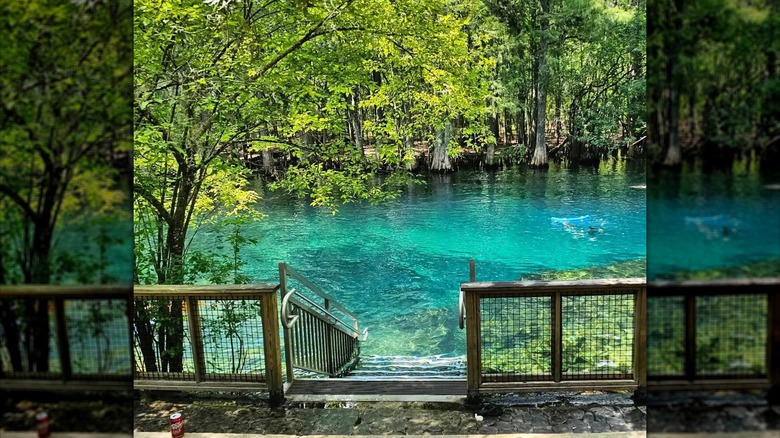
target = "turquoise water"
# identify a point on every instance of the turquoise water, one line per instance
(80, 241)
(398, 266)
(687, 215)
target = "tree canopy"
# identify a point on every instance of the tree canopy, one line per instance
(340, 102)
(713, 83)
(65, 137)
(65, 87)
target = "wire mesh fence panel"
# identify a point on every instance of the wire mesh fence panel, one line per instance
(232, 332)
(731, 335)
(98, 336)
(665, 336)
(597, 336)
(516, 334)
(161, 338)
(28, 337)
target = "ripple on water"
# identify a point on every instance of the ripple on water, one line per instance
(398, 266)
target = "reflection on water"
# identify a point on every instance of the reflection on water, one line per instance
(398, 266)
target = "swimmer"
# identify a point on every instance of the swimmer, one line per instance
(592, 230)
(567, 225)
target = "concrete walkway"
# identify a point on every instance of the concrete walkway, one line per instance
(514, 435)
(770, 434)
(535, 415)
(6, 434)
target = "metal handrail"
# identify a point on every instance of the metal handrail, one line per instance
(289, 320)
(461, 310)
(314, 288)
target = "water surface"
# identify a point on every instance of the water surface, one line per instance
(699, 222)
(398, 266)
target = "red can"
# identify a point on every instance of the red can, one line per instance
(42, 424)
(177, 425)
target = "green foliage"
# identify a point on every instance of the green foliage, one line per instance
(65, 93)
(354, 183)
(515, 154)
(214, 83)
(215, 267)
(628, 269)
(760, 269)
(595, 56)
(713, 73)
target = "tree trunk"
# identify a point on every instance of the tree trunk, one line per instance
(558, 127)
(672, 110)
(539, 158)
(441, 159)
(673, 153)
(356, 123)
(145, 337)
(171, 338)
(308, 141)
(9, 316)
(493, 123)
(268, 161)
(411, 162)
(39, 272)
(521, 137)
(508, 135)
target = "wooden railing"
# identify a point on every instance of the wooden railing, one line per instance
(537, 335)
(86, 331)
(230, 339)
(714, 334)
(321, 338)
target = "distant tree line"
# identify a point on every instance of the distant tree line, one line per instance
(713, 85)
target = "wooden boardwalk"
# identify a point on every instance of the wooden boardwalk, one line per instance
(352, 389)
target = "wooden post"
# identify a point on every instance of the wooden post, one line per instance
(690, 337)
(62, 338)
(557, 339)
(473, 347)
(640, 344)
(196, 338)
(472, 270)
(131, 328)
(288, 341)
(773, 346)
(272, 348)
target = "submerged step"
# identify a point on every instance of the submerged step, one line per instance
(410, 366)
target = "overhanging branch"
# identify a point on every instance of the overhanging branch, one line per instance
(154, 202)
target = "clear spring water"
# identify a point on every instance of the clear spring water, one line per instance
(398, 266)
(702, 222)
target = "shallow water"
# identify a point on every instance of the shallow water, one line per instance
(711, 222)
(398, 266)
(80, 241)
